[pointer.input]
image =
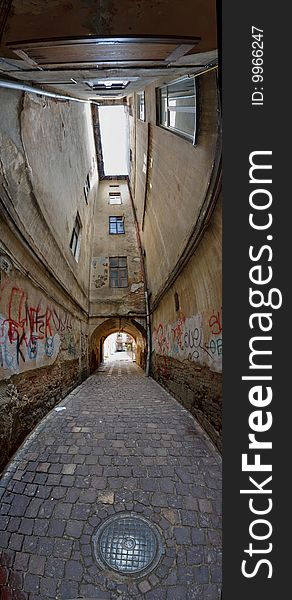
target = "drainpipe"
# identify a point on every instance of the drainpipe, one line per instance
(148, 331)
(147, 370)
(29, 88)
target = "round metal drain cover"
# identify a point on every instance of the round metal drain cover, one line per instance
(128, 544)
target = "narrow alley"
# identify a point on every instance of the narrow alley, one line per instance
(110, 301)
(118, 444)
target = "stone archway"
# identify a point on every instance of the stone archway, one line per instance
(101, 329)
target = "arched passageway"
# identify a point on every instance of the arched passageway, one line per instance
(107, 327)
(118, 347)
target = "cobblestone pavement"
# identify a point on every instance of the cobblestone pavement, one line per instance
(118, 443)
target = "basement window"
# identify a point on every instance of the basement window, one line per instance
(176, 104)
(116, 225)
(115, 198)
(118, 272)
(76, 238)
(141, 106)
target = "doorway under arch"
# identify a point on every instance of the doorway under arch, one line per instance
(103, 329)
(119, 346)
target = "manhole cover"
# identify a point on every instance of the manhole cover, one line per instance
(128, 544)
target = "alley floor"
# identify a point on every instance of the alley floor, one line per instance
(118, 444)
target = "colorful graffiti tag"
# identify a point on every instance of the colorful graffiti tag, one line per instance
(192, 338)
(32, 333)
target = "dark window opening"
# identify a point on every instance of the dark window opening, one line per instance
(118, 272)
(116, 225)
(86, 188)
(176, 301)
(76, 238)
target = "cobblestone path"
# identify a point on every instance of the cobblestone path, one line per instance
(117, 444)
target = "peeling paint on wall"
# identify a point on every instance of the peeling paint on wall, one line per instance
(137, 286)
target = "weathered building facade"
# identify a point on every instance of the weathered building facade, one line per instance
(117, 286)
(175, 182)
(44, 268)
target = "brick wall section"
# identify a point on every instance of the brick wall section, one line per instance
(27, 397)
(197, 388)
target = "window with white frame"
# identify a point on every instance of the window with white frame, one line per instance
(141, 106)
(76, 238)
(177, 107)
(115, 198)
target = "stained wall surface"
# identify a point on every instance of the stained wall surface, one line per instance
(45, 162)
(104, 299)
(175, 186)
(187, 338)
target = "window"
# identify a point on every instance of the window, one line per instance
(76, 238)
(116, 225)
(107, 85)
(141, 106)
(177, 107)
(86, 188)
(118, 273)
(115, 198)
(176, 301)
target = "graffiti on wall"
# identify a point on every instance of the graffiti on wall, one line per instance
(194, 338)
(32, 334)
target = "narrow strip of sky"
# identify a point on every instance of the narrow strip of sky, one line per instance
(114, 130)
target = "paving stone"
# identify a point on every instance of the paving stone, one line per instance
(15, 542)
(21, 561)
(56, 528)
(55, 567)
(31, 583)
(48, 587)
(45, 546)
(37, 565)
(63, 548)
(62, 510)
(19, 506)
(74, 528)
(73, 570)
(80, 512)
(201, 574)
(178, 592)
(182, 535)
(205, 506)
(30, 544)
(40, 526)
(68, 590)
(144, 586)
